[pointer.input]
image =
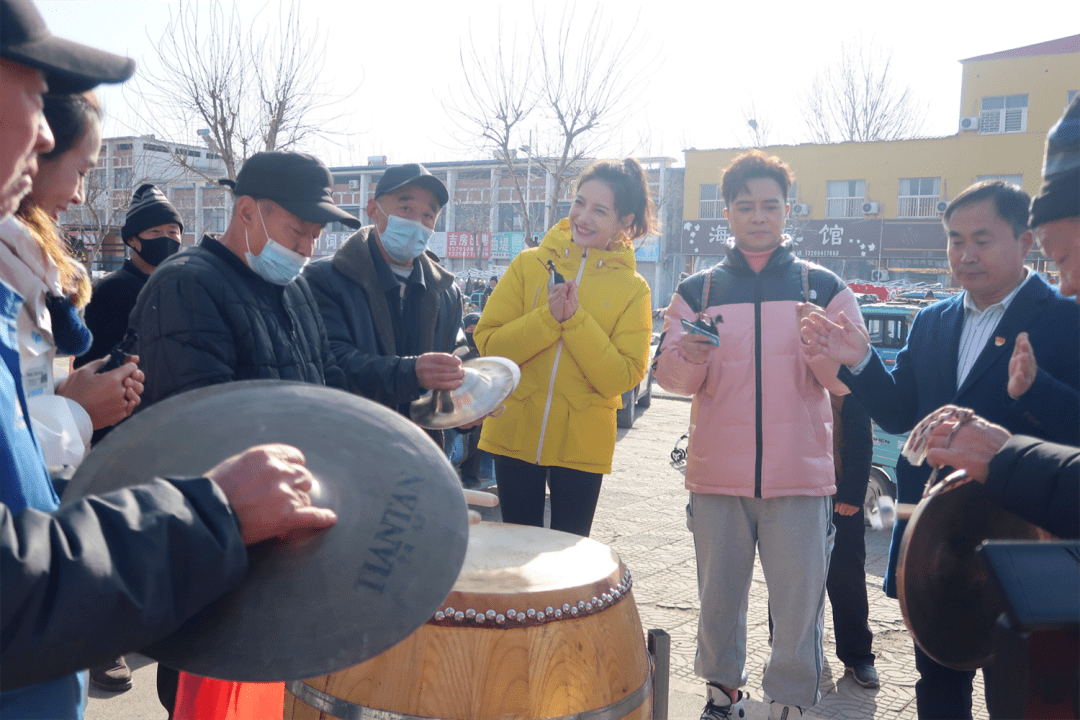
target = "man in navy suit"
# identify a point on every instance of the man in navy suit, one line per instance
(976, 350)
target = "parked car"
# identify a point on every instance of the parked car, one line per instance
(638, 398)
(888, 324)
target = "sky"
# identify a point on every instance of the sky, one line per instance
(697, 65)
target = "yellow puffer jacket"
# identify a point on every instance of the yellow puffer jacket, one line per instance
(573, 374)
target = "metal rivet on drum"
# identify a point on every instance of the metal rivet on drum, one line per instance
(617, 595)
(449, 611)
(558, 614)
(566, 607)
(531, 613)
(574, 612)
(580, 604)
(511, 613)
(606, 598)
(480, 618)
(459, 616)
(521, 617)
(595, 601)
(440, 616)
(491, 614)
(540, 617)
(588, 607)
(548, 610)
(470, 613)
(500, 619)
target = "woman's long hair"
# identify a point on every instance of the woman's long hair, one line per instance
(70, 117)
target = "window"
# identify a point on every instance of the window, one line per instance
(213, 220)
(887, 332)
(1003, 114)
(122, 178)
(1014, 179)
(156, 148)
(918, 197)
(711, 205)
(844, 198)
(337, 227)
(123, 146)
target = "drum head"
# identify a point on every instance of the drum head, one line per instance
(338, 597)
(946, 595)
(519, 576)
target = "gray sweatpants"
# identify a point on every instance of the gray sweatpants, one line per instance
(794, 537)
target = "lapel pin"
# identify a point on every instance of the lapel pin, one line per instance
(999, 341)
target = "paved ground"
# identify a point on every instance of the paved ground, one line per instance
(642, 515)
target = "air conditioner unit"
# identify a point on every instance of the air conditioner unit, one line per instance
(800, 209)
(879, 275)
(969, 123)
(941, 206)
(354, 184)
(870, 208)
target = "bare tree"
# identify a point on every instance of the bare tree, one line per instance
(859, 99)
(498, 97)
(759, 126)
(574, 82)
(249, 86)
(589, 85)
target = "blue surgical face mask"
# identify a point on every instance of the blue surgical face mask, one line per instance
(404, 239)
(275, 264)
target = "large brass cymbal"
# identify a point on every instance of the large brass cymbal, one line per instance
(488, 382)
(338, 597)
(946, 596)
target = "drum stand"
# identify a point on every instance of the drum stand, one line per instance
(660, 652)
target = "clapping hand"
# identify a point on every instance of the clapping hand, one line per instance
(845, 343)
(1022, 367)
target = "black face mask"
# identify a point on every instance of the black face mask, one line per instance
(155, 250)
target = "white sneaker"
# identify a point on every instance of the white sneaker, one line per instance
(718, 705)
(780, 711)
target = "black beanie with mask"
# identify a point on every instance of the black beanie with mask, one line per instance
(149, 208)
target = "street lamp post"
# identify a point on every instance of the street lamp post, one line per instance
(527, 149)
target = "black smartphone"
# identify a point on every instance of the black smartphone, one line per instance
(119, 354)
(697, 329)
(556, 278)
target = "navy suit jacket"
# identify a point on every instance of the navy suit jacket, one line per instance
(924, 379)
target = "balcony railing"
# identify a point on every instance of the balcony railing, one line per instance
(916, 206)
(710, 209)
(843, 207)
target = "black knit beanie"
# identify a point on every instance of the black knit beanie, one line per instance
(1059, 196)
(149, 208)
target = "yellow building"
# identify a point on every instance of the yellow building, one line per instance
(862, 208)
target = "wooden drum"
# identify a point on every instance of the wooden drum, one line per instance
(540, 624)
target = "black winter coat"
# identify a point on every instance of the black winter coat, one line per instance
(110, 306)
(111, 574)
(1040, 482)
(354, 290)
(206, 318)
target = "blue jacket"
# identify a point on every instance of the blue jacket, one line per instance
(924, 379)
(24, 483)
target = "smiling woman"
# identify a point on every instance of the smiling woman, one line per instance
(575, 315)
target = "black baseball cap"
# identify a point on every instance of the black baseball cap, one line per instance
(412, 174)
(68, 66)
(299, 183)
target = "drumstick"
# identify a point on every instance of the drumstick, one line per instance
(476, 497)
